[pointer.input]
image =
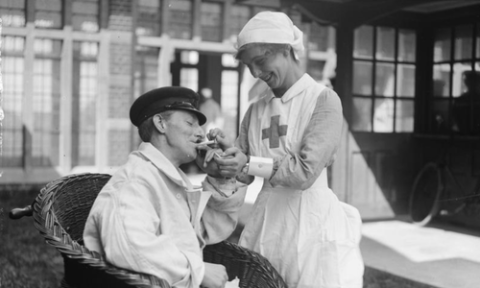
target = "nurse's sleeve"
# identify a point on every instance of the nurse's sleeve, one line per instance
(318, 146)
(242, 139)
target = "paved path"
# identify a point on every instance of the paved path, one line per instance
(443, 256)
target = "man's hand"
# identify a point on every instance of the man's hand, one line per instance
(215, 276)
(231, 162)
(204, 160)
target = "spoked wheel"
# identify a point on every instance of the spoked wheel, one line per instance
(425, 195)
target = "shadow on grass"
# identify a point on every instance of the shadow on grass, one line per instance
(27, 261)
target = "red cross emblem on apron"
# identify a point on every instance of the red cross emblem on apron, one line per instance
(274, 132)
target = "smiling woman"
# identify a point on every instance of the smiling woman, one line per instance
(291, 134)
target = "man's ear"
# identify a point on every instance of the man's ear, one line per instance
(287, 50)
(159, 123)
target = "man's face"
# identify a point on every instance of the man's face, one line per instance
(182, 134)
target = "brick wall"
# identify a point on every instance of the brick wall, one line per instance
(120, 91)
(119, 147)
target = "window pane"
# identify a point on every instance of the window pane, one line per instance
(315, 69)
(146, 69)
(459, 72)
(385, 79)
(12, 13)
(12, 73)
(180, 19)
(189, 78)
(466, 108)
(363, 42)
(211, 21)
(383, 115)
(84, 103)
(439, 122)
(404, 116)
(189, 57)
(318, 37)
(463, 42)
(46, 103)
(229, 61)
(149, 21)
(407, 45)
(229, 101)
(85, 15)
(478, 41)
(442, 45)
(362, 78)
(238, 18)
(385, 43)
(441, 80)
(362, 114)
(48, 13)
(405, 80)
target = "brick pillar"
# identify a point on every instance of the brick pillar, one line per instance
(120, 25)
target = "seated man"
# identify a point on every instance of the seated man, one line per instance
(149, 218)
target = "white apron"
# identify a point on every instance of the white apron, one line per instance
(309, 236)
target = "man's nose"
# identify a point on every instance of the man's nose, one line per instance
(199, 133)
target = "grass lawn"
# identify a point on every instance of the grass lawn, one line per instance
(27, 261)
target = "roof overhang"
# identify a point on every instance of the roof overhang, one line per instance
(357, 12)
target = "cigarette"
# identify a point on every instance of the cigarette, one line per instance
(207, 142)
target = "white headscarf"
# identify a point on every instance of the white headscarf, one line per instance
(271, 27)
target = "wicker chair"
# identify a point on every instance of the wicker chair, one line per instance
(60, 212)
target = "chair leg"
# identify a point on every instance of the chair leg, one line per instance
(64, 284)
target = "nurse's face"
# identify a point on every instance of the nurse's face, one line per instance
(271, 67)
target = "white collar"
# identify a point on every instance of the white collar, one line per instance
(163, 164)
(296, 89)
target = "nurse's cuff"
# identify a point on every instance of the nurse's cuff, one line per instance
(261, 167)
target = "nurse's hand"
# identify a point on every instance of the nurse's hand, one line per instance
(224, 141)
(231, 162)
(215, 276)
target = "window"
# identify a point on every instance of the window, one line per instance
(48, 13)
(189, 78)
(12, 13)
(455, 98)
(181, 19)
(146, 69)
(12, 72)
(229, 102)
(46, 103)
(318, 37)
(84, 103)
(383, 79)
(189, 70)
(149, 21)
(85, 15)
(145, 74)
(239, 17)
(211, 21)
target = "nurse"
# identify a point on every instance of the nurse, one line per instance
(289, 137)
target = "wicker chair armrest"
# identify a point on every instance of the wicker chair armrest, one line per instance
(253, 270)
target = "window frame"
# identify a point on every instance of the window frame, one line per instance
(373, 97)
